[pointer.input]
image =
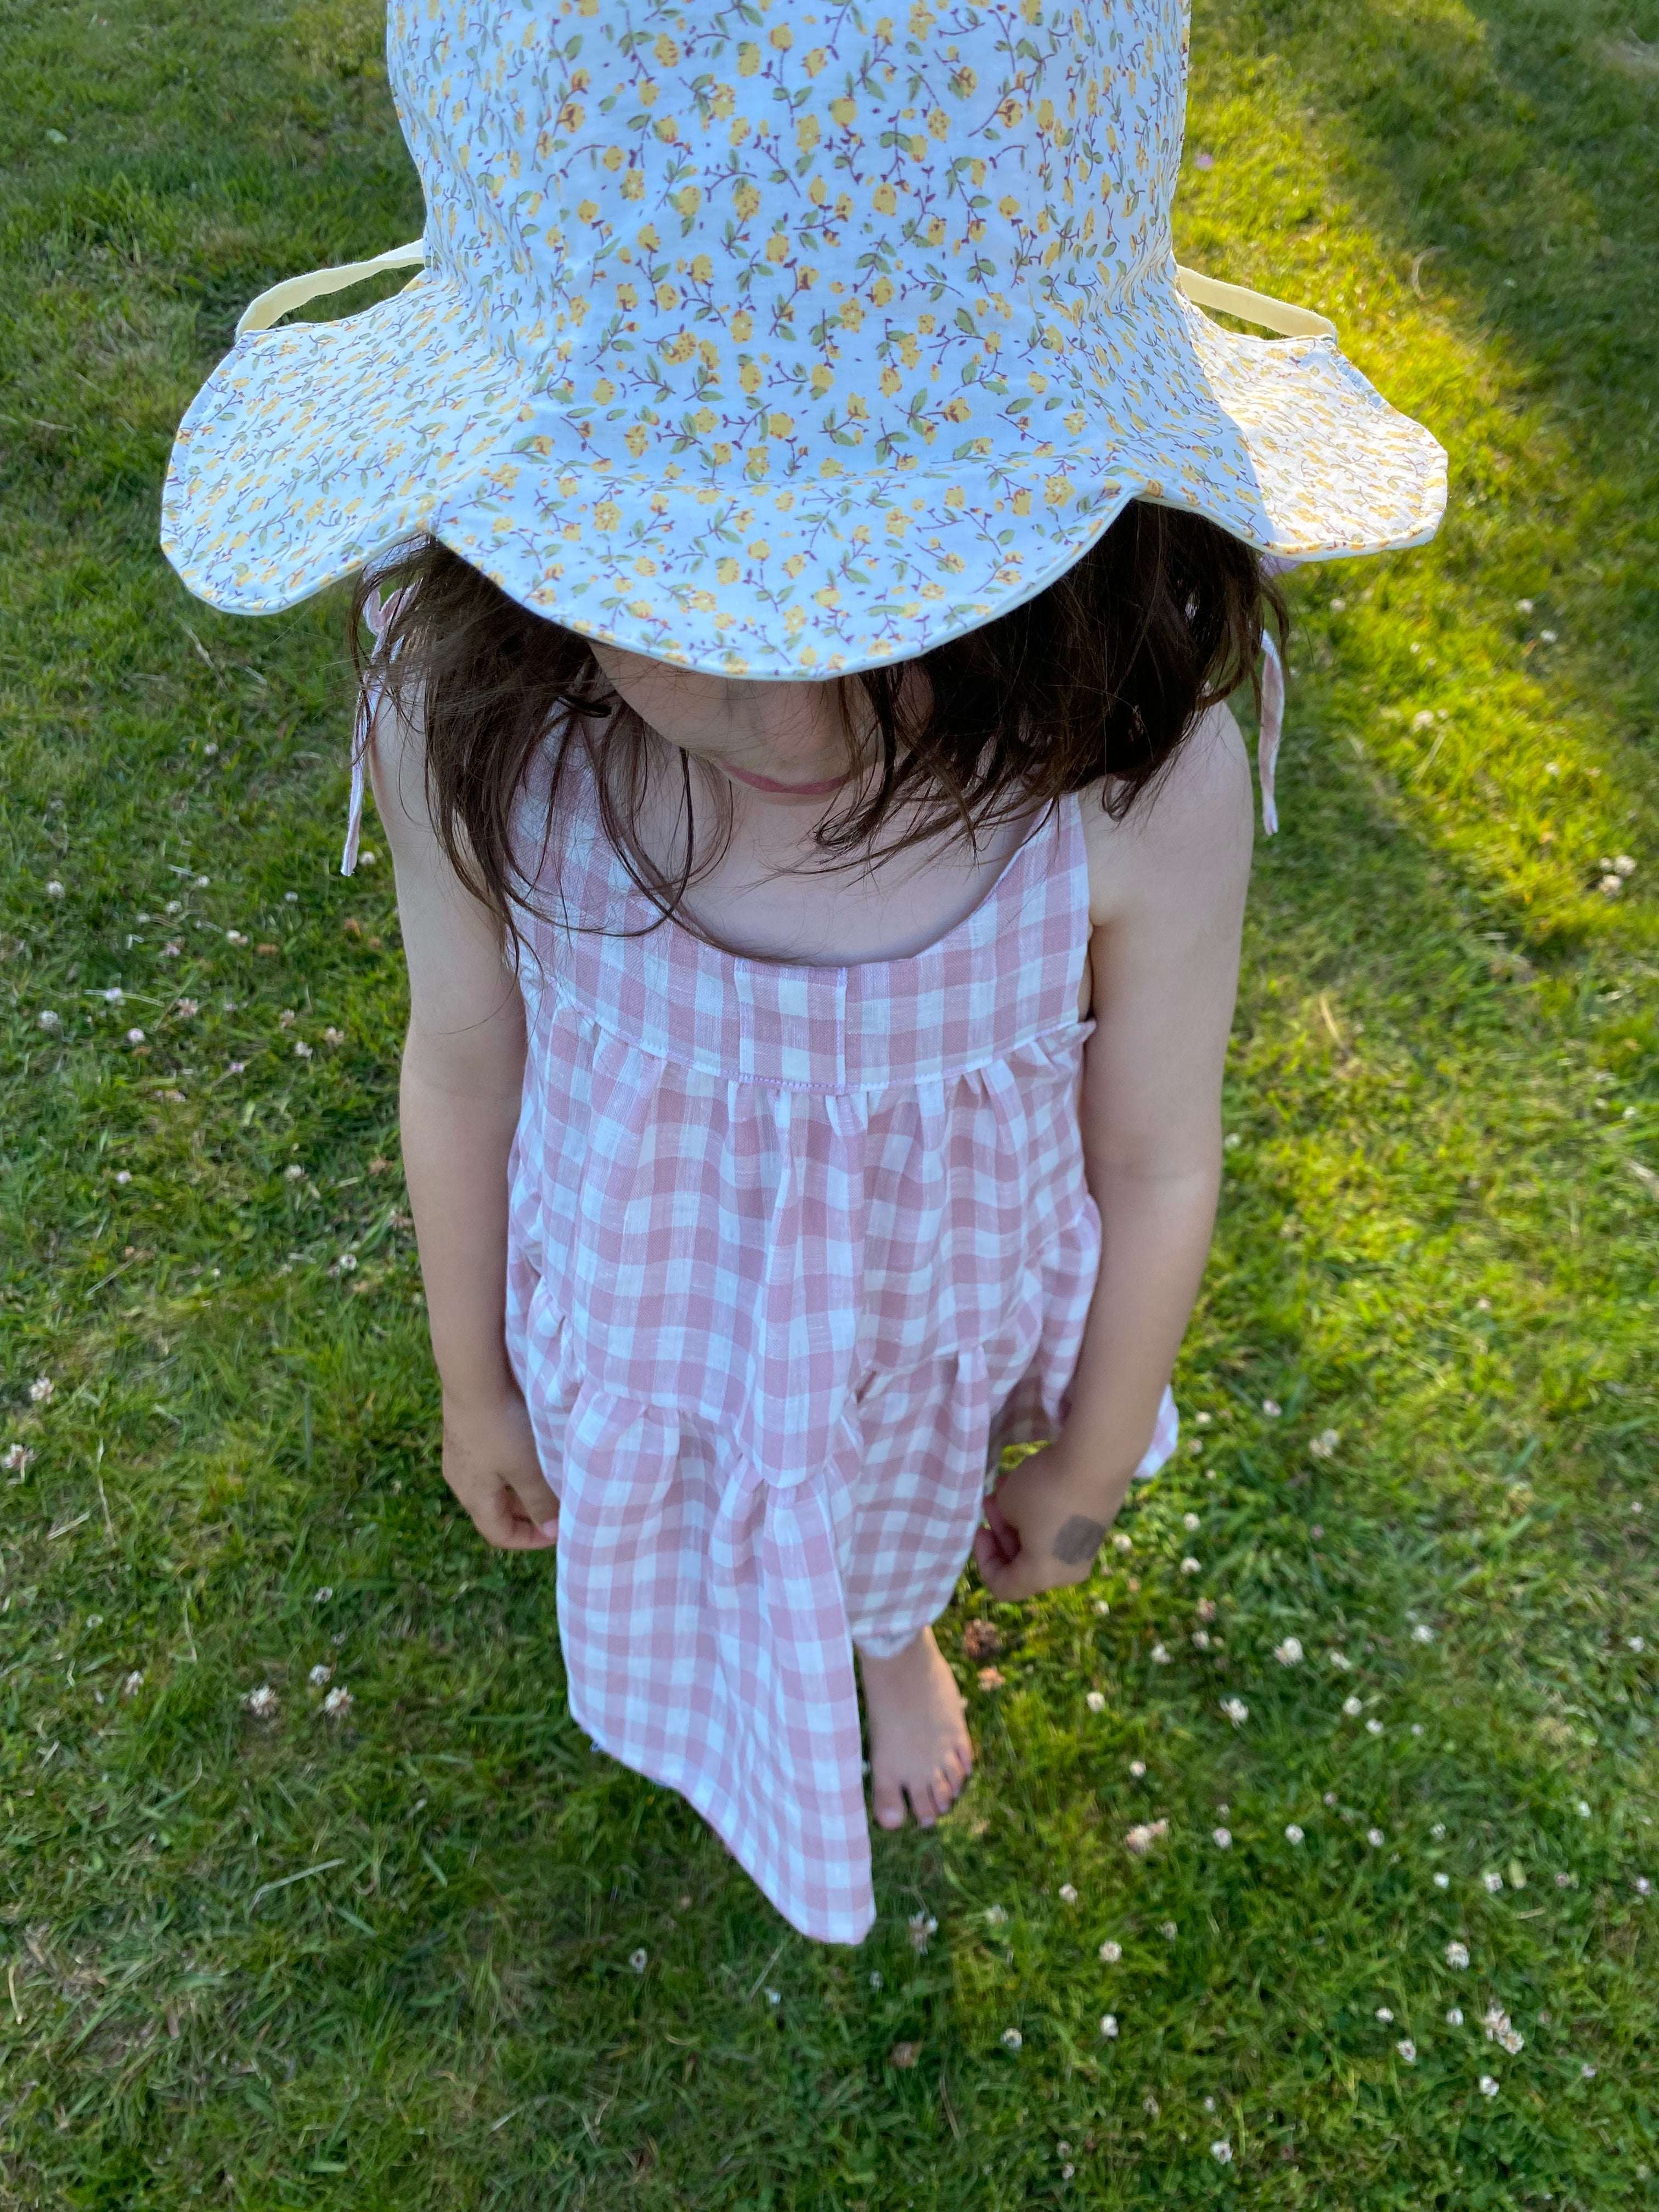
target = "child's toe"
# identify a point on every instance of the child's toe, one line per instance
(888, 1801)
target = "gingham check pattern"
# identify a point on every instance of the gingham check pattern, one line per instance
(794, 1253)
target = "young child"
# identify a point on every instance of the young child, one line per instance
(821, 531)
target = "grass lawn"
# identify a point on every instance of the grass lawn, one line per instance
(429, 1950)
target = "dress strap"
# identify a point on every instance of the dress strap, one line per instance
(1273, 729)
(379, 614)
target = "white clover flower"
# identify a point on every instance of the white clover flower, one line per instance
(876, 1981)
(1512, 2040)
(1376, 1838)
(1122, 1543)
(639, 1961)
(1271, 1408)
(333, 1036)
(123, 1176)
(1442, 1881)
(301, 1049)
(135, 1036)
(347, 1262)
(1340, 1661)
(1200, 1639)
(1407, 2049)
(1138, 1768)
(1293, 1834)
(1095, 1701)
(1384, 2014)
(52, 1024)
(337, 1702)
(1636, 1643)
(995, 1916)
(41, 1390)
(1587, 2071)
(1158, 1655)
(1352, 1707)
(1206, 1608)
(1373, 1728)
(1454, 2015)
(921, 1926)
(1189, 1521)
(774, 1997)
(1223, 1838)
(1109, 2026)
(294, 1172)
(234, 937)
(1488, 2087)
(54, 889)
(1422, 1633)
(1222, 2152)
(1438, 1831)
(1236, 1710)
(187, 1008)
(1584, 1810)
(1290, 1652)
(1457, 1954)
(1325, 1444)
(1110, 1952)
(1189, 1566)
(1101, 1606)
(321, 1673)
(264, 1703)
(1067, 1894)
(131, 1684)
(1624, 866)
(1011, 2039)
(1142, 1838)
(1564, 1882)
(1492, 1883)
(17, 1460)
(324, 1594)
(1167, 1929)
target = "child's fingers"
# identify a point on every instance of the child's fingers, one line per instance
(501, 1520)
(540, 1504)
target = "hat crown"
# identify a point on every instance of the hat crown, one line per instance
(735, 227)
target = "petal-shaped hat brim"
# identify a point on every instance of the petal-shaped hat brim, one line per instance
(315, 446)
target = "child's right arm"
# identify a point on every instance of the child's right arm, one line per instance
(463, 1073)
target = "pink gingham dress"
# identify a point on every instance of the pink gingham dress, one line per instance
(794, 1252)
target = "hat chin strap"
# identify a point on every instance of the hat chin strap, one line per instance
(294, 291)
(1249, 307)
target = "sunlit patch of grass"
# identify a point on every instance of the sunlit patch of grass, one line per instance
(270, 1953)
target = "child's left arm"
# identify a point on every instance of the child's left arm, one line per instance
(1164, 954)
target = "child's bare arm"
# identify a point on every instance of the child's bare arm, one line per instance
(463, 1071)
(1165, 957)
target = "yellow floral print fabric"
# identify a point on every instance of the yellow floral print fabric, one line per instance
(779, 341)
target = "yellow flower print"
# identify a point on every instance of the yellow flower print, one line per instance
(823, 377)
(1037, 381)
(588, 211)
(665, 51)
(1008, 206)
(807, 133)
(702, 269)
(627, 298)
(794, 564)
(897, 522)
(645, 566)
(957, 410)
(885, 200)
(633, 184)
(607, 515)
(940, 124)
(745, 199)
(843, 110)
(666, 129)
(759, 550)
(964, 82)
(852, 315)
(1045, 115)
(679, 348)
(857, 410)
(748, 58)
(722, 455)
(777, 246)
(687, 200)
(1056, 490)
(748, 376)
(1010, 111)
(724, 101)
(604, 392)
(702, 601)
(783, 38)
(890, 380)
(1021, 503)
(907, 352)
(780, 426)
(637, 440)
(613, 157)
(882, 290)
(667, 298)
(921, 19)
(828, 597)
(1076, 422)
(758, 461)
(739, 130)
(742, 324)
(640, 609)
(815, 61)
(703, 421)
(573, 529)
(728, 571)
(649, 237)
(817, 192)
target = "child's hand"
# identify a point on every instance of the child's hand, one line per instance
(491, 1464)
(1046, 1520)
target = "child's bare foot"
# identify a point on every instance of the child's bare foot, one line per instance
(919, 1741)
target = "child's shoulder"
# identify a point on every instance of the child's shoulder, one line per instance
(1192, 832)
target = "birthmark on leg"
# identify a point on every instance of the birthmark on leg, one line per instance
(1077, 1539)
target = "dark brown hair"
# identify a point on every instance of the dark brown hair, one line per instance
(1103, 674)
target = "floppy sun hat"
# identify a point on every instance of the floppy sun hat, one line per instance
(779, 341)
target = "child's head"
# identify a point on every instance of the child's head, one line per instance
(1102, 674)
